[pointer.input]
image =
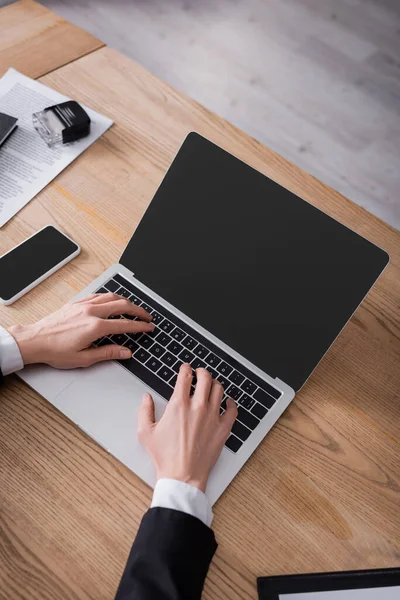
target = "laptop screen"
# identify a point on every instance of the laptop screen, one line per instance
(264, 271)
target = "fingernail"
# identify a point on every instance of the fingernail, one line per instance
(125, 354)
(152, 326)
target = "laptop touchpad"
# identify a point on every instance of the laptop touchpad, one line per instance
(103, 400)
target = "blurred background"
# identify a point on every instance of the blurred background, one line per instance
(316, 80)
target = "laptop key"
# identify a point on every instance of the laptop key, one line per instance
(153, 333)
(165, 373)
(123, 292)
(102, 290)
(259, 410)
(119, 338)
(248, 386)
(146, 307)
(175, 347)
(168, 359)
(177, 334)
(157, 350)
(141, 355)
(246, 401)
(135, 300)
(223, 381)
(189, 342)
(233, 443)
(166, 326)
(236, 377)
(186, 356)
(264, 398)
(135, 336)
(133, 346)
(145, 341)
(163, 339)
(212, 360)
(157, 318)
(201, 351)
(240, 431)
(111, 286)
(212, 372)
(224, 369)
(234, 392)
(154, 364)
(198, 364)
(270, 390)
(246, 418)
(173, 381)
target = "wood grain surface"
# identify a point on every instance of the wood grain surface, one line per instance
(35, 41)
(322, 491)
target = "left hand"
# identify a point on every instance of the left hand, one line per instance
(63, 339)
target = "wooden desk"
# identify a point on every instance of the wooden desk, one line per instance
(35, 41)
(322, 492)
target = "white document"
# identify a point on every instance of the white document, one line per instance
(386, 593)
(27, 164)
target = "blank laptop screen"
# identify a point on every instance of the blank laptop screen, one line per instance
(266, 272)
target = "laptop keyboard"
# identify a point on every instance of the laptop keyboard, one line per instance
(157, 357)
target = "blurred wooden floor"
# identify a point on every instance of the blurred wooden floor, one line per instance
(316, 80)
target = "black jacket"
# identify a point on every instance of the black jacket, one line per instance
(169, 558)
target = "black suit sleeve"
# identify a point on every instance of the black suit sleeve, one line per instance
(169, 559)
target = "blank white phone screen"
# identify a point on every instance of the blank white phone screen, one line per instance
(386, 593)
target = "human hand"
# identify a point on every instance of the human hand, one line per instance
(188, 439)
(63, 339)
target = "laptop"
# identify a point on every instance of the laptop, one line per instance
(243, 278)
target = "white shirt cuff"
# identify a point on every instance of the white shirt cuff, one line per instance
(10, 356)
(170, 493)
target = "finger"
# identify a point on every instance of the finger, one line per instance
(203, 385)
(119, 306)
(216, 393)
(109, 352)
(87, 298)
(108, 327)
(183, 382)
(146, 416)
(229, 416)
(98, 298)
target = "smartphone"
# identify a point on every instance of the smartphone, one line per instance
(32, 261)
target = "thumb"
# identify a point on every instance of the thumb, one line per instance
(109, 352)
(146, 416)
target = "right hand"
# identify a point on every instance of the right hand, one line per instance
(188, 439)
